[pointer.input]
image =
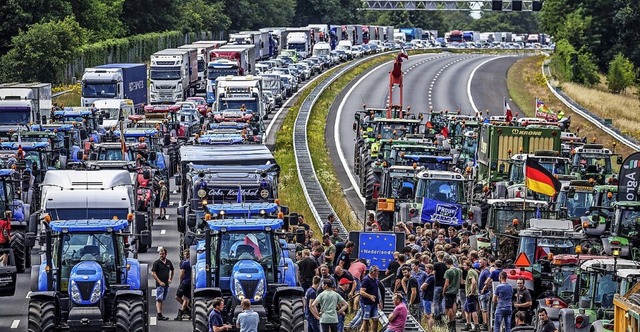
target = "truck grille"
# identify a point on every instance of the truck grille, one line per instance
(249, 287)
(85, 288)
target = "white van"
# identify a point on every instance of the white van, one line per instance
(345, 45)
(112, 109)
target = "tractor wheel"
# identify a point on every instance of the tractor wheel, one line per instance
(201, 308)
(130, 315)
(356, 157)
(370, 203)
(42, 315)
(364, 169)
(18, 238)
(291, 314)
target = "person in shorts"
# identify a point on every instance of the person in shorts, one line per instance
(183, 294)
(450, 292)
(484, 291)
(162, 272)
(471, 298)
(370, 300)
(427, 296)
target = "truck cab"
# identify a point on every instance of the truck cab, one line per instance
(113, 111)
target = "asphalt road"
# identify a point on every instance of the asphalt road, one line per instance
(468, 82)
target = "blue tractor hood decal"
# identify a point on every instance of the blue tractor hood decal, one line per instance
(442, 212)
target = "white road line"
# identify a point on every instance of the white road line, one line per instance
(172, 203)
(163, 232)
(28, 294)
(15, 324)
(153, 321)
(153, 293)
(473, 72)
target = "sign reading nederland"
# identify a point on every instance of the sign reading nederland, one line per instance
(442, 212)
(377, 249)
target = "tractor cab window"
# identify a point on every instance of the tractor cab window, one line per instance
(6, 194)
(111, 155)
(73, 248)
(540, 248)
(598, 288)
(516, 172)
(393, 131)
(629, 223)
(578, 205)
(500, 215)
(593, 162)
(440, 190)
(566, 282)
(249, 245)
(403, 187)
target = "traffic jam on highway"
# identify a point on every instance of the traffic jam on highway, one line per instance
(84, 190)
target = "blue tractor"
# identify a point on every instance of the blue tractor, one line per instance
(86, 282)
(245, 260)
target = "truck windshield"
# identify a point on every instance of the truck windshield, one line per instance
(75, 214)
(214, 72)
(165, 73)
(440, 190)
(99, 90)
(270, 83)
(251, 105)
(251, 245)
(12, 117)
(321, 52)
(300, 47)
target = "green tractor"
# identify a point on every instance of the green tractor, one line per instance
(625, 228)
(397, 186)
(593, 299)
(574, 201)
(593, 161)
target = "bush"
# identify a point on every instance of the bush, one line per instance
(621, 74)
(574, 66)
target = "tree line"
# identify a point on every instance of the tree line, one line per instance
(37, 37)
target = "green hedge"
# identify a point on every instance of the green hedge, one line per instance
(133, 49)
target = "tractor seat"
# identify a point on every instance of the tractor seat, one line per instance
(91, 250)
(244, 249)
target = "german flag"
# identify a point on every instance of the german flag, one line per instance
(538, 179)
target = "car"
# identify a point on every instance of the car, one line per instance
(307, 68)
(270, 101)
(201, 104)
(357, 51)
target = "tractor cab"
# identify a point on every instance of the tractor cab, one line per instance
(625, 230)
(593, 161)
(11, 199)
(37, 156)
(87, 278)
(439, 196)
(85, 118)
(595, 288)
(575, 200)
(397, 186)
(598, 221)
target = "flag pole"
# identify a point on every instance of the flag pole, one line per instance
(526, 191)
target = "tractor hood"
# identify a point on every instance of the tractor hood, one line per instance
(248, 280)
(86, 284)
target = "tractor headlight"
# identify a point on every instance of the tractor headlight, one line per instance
(96, 293)
(259, 292)
(239, 290)
(75, 292)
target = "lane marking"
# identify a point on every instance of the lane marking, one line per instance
(473, 72)
(153, 321)
(28, 295)
(15, 324)
(153, 293)
(172, 203)
(163, 232)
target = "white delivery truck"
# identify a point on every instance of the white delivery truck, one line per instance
(173, 74)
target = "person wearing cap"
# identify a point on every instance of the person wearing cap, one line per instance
(328, 301)
(343, 289)
(164, 199)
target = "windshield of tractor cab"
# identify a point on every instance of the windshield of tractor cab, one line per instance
(502, 217)
(114, 155)
(251, 245)
(566, 282)
(6, 194)
(593, 162)
(72, 248)
(629, 223)
(599, 288)
(440, 190)
(578, 205)
(539, 248)
(393, 130)
(403, 187)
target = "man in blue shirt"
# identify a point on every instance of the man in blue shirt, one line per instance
(248, 319)
(183, 295)
(216, 323)
(370, 299)
(502, 297)
(313, 324)
(484, 290)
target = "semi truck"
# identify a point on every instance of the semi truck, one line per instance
(236, 91)
(204, 57)
(411, 33)
(22, 103)
(471, 36)
(354, 34)
(173, 74)
(262, 41)
(227, 61)
(260, 49)
(299, 39)
(115, 81)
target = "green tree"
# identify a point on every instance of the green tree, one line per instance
(203, 15)
(585, 71)
(142, 16)
(100, 17)
(19, 14)
(40, 52)
(621, 74)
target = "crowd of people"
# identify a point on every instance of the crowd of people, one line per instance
(436, 278)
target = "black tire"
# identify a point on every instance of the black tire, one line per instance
(370, 202)
(291, 314)
(42, 315)
(202, 306)
(385, 220)
(130, 315)
(20, 252)
(364, 168)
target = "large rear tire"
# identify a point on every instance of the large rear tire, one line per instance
(20, 252)
(42, 315)
(291, 314)
(130, 315)
(371, 180)
(202, 306)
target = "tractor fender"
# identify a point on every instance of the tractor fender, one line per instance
(141, 223)
(35, 279)
(129, 293)
(286, 291)
(46, 295)
(598, 326)
(567, 319)
(289, 273)
(144, 277)
(208, 292)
